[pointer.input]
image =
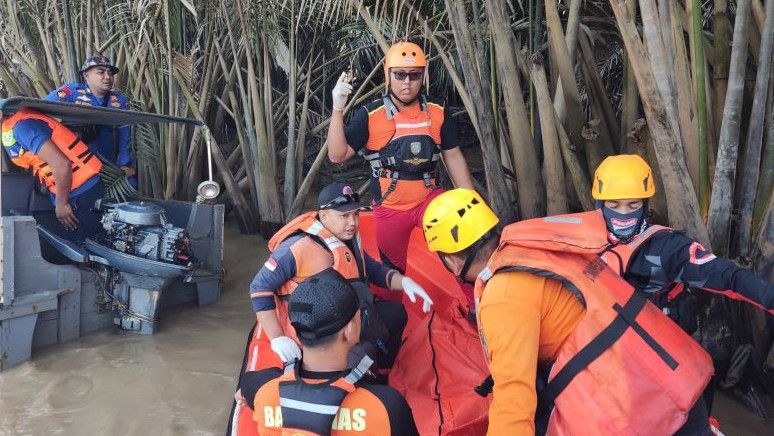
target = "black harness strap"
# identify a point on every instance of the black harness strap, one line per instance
(626, 318)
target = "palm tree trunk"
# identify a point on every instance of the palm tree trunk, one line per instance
(244, 217)
(766, 181)
(574, 117)
(721, 64)
(289, 189)
(659, 63)
(575, 169)
(752, 155)
(499, 197)
(630, 101)
(701, 106)
(552, 155)
(599, 100)
(681, 196)
(722, 198)
(525, 160)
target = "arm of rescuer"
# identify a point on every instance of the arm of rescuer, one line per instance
(278, 269)
(384, 277)
(63, 176)
(524, 319)
(35, 136)
(338, 148)
(453, 159)
(688, 261)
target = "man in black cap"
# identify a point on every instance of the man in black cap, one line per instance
(316, 241)
(321, 393)
(112, 143)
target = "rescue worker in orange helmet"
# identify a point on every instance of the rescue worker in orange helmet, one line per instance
(571, 347)
(62, 163)
(320, 394)
(664, 264)
(402, 136)
(318, 240)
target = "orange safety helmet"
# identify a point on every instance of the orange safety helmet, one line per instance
(403, 54)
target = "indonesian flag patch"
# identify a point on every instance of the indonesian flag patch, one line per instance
(270, 264)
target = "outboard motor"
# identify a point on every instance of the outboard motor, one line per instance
(141, 229)
(148, 251)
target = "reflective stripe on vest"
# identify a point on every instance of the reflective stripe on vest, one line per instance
(84, 163)
(626, 368)
(311, 407)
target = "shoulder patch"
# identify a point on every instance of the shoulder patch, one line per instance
(64, 91)
(699, 255)
(8, 139)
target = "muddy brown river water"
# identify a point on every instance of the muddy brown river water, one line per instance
(178, 382)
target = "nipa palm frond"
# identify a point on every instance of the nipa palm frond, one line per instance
(116, 184)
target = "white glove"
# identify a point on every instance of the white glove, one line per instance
(341, 91)
(412, 289)
(286, 348)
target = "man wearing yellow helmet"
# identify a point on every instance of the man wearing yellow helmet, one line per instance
(662, 263)
(659, 261)
(548, 308)
(402, 135)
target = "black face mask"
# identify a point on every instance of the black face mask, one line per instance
(624, 226)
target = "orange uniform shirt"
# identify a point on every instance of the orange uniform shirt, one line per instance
(524, 319)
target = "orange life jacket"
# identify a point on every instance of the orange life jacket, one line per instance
(412, 153)
(589, 229)
(627, 368)
(84, 163)
(310, 409)
(349, 265)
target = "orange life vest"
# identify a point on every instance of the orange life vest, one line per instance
(85, 164)
(627, 368)
(349, 265)
(412, 153)
(589, 230)
(310, 409)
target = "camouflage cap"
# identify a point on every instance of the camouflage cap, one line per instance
(98, 61)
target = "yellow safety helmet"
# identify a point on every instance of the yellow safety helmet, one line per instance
(456, 219)
(623, 177)
(403, 54)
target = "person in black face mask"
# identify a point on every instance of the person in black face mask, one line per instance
(658, 261)
(664, 264)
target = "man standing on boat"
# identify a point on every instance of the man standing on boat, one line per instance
(402, 136)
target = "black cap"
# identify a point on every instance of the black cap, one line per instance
(338, 196)
(322, 305)
(98, 61)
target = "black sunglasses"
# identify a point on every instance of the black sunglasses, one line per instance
(412, 75)
(341, 200)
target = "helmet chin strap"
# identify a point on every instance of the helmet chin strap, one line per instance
(471, 255)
